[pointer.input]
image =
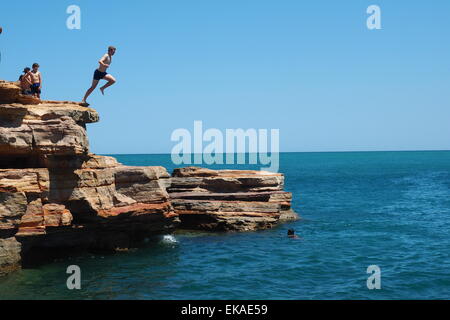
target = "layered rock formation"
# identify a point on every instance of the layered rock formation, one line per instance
(229, 200)
(56, 197)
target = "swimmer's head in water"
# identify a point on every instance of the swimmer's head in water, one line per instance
(291, 232)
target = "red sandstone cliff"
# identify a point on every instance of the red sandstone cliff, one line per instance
(56, 196)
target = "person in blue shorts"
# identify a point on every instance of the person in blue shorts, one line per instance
(102, 74)
(36, 81)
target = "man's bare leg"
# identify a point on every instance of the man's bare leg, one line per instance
(90, 90)
(111, 80)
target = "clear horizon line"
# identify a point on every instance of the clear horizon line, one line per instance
(344, 151)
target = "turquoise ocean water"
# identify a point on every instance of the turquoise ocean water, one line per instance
(390, 209)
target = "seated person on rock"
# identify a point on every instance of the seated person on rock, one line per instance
(25, 81)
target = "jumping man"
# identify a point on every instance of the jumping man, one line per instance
(101, 74)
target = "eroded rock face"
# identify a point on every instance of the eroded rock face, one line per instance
(56, 196)
(9, 91)
(10, 258)
(33, 201)
(38, 128)
(229, 200)
(47, 129)
(95, 199)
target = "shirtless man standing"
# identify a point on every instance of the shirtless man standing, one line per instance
(101, 73)
(36, 81)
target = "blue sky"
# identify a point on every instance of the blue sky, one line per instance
(309, 68)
